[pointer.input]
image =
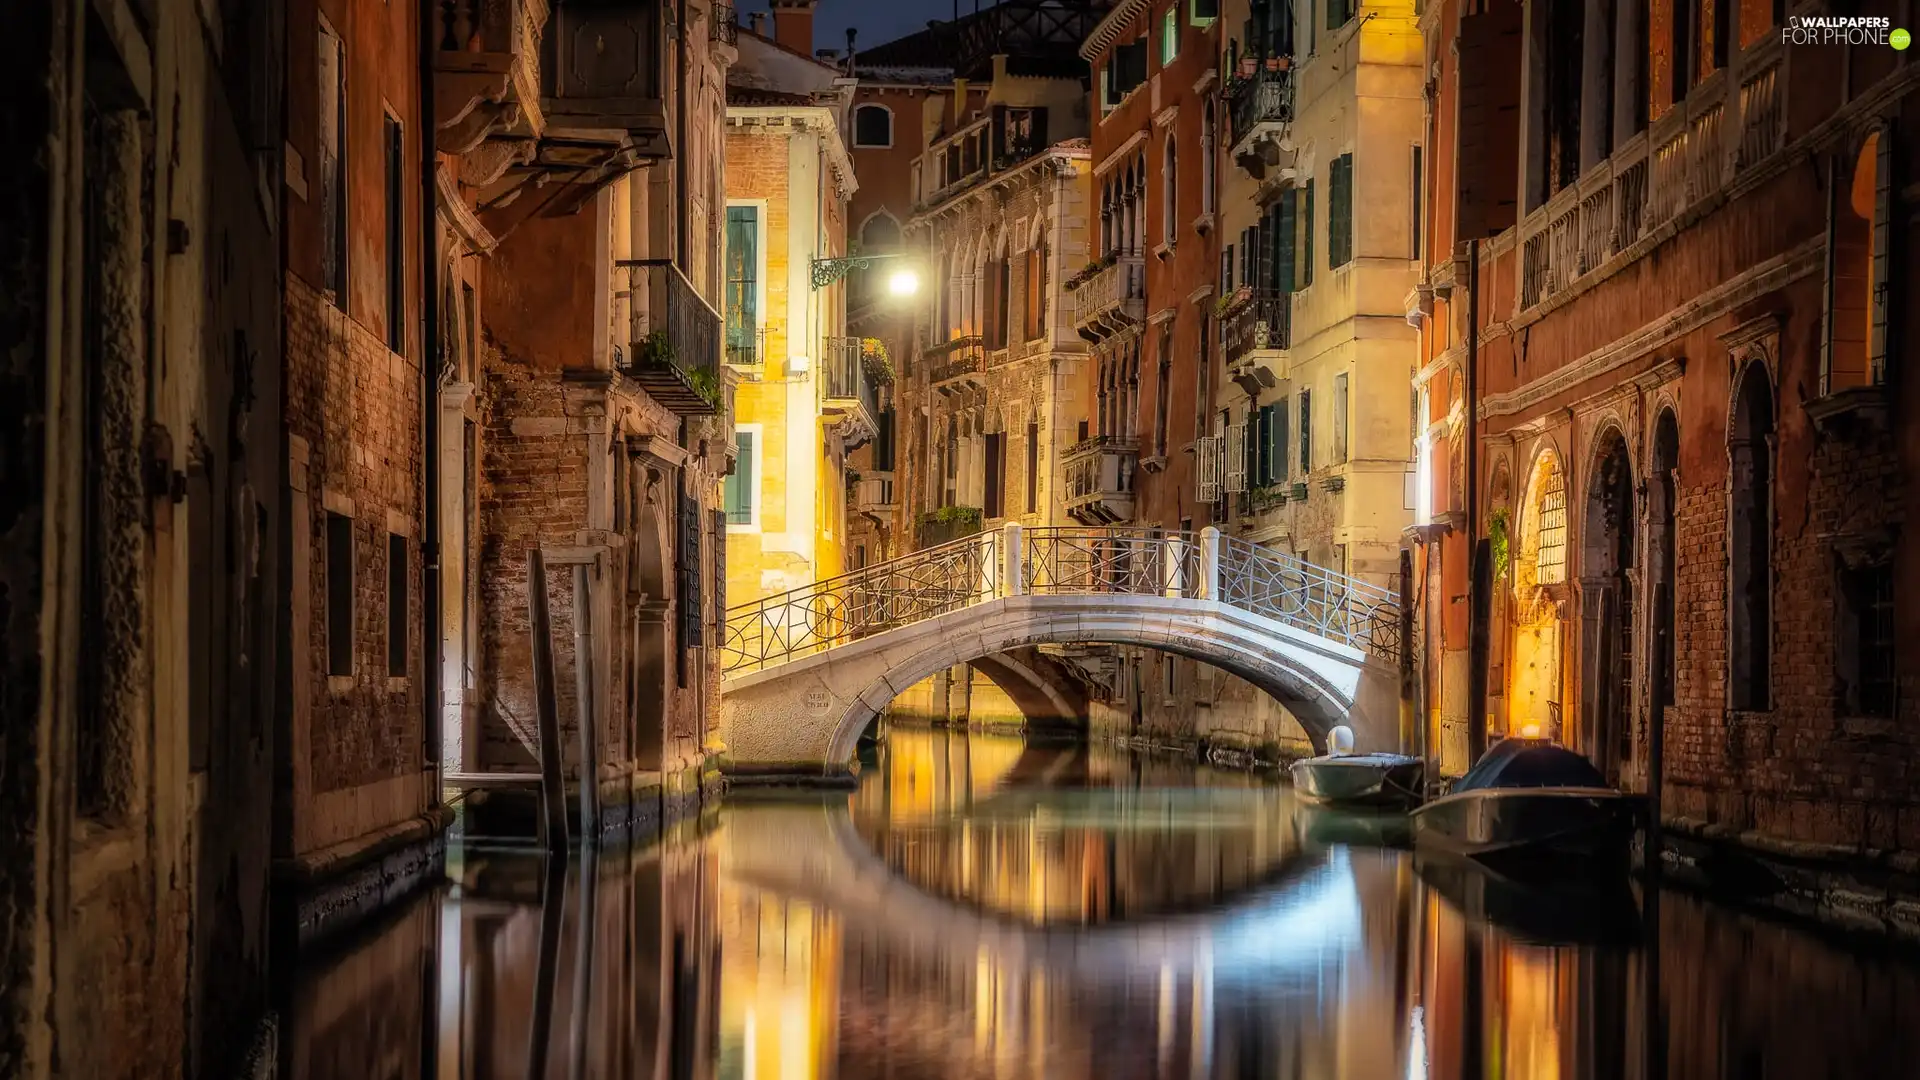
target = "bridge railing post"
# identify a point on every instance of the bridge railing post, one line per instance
(988, 585)
(1209, 584)
(1013, 578)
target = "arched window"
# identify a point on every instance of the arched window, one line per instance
(872, 126)
(1170, 201)
(1750, 541)
(1856, 324)
(880, 233)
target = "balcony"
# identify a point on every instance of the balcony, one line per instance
(726, 25)
(673, 337)
(956, 365)
(852, 405)
(873, 495)
(947, 524)
(746, 348)
(1111, 299)
(1256, 325)
(1100, 480)
(567, 96)
(1260, 106)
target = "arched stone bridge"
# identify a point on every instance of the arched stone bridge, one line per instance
(807, 670)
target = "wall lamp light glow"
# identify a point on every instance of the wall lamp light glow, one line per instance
(903, 283)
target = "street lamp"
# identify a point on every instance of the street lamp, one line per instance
(904, 282)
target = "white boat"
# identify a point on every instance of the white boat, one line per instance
(1341, 777)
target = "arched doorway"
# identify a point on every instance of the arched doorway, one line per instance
(1539, 597)
(1607, 608)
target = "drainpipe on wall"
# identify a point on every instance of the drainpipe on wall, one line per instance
(432, 694)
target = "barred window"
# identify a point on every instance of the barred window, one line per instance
(1550, 565)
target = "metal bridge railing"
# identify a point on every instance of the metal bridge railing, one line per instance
(1013, 561)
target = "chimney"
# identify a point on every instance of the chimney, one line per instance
(793, 24)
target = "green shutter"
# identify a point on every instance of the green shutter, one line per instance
(1306, 433)
(743, 271)
(1285, 410)
(1306, 236)
(739, 487)
(1283, 244)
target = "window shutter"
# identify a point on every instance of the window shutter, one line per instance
(1306, 237)
(743, 266)
(718, 524)
(1283, 244)
(1306, 433)
(1283, 413)
(1206, 454)
(689, 598)
(1234, 459)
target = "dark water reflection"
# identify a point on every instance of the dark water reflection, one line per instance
(981, 908)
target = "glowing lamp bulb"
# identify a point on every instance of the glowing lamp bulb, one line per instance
(903, 283)
(1530, 731)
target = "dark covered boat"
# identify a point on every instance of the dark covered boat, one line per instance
(1528, 800)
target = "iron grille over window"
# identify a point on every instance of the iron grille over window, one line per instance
(1551, 562)
(688, 597)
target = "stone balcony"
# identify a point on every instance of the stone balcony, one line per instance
(567, 97)
(1255, 331)
(1099, 473)
(852, 403)
(957, 365)
(1260, 106)
(1112, 299)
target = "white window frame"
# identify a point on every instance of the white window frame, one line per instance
(759, 452)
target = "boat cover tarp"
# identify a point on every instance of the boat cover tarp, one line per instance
(1530, 763)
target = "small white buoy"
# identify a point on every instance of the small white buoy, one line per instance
(1340, 741)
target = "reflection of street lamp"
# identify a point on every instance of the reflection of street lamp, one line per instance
(828, 271)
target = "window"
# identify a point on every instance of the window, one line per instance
(1858, 234)
(742, 495)
(1207, 138)
(339, 594)
(1863, 646)
(1750, 541)
(396, 236)
(1033, 466)
(1205, 11)
(999, 301)
(1170, 35)
(1264, 469)
(1126, 69)
(872, 126)
(1340, 211)
(1306, 433)
(1339, 12)
(1163, 390)
(333, 165)
(1036, 293)
(1340, 419)
(993, 500)
(1169, 199)
(1226, 271)
(687, 598)
(1419, 204)
(743, 285)
(396, 605)
(1550, 563)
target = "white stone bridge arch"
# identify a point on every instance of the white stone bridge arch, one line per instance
(807, 670)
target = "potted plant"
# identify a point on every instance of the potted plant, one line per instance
(877, 362)
(1247, 65)
(705, 383)
(656, 348)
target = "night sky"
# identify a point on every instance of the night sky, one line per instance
(877, 20)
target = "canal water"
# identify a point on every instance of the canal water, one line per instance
(984, 907)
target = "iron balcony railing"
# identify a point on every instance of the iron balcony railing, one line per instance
(1264, 320)
(726, 24)
(1265, 97)
(843, 364)
(1012, 561)
(955, 359)
(747, 346)
(672, 347)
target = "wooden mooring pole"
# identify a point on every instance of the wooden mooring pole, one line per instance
(553, 791)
